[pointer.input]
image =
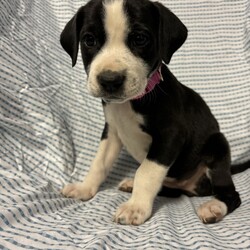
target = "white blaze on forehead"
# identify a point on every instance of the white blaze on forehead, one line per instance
(115, 22)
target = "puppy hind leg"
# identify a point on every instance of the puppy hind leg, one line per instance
(216, 155)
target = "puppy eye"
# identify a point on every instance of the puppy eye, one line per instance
(139, 39)
(89, 40)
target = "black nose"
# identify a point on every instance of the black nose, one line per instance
(111, 81)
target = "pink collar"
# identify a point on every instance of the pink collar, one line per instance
(153, 80)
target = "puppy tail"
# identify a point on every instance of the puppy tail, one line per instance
(238, 168)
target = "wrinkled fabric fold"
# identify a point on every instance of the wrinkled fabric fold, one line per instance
(50, 128)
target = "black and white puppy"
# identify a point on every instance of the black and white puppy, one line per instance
(164, 125)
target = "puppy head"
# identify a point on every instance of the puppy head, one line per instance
(122, 43)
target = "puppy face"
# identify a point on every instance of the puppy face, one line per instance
(118, 72)
(121, 45)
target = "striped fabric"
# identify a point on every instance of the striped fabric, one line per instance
(50, 128)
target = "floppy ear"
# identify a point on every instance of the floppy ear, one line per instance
(172, 32)
(70, 35)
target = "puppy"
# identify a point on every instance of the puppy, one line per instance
(164, 125)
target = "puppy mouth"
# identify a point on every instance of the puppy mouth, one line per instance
(121, 98)
(111, 98)
(114, 99)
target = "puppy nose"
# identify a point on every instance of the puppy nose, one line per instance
(111, 81)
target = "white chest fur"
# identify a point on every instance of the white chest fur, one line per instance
(126, 123)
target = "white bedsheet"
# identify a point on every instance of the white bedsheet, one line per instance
(50, 129)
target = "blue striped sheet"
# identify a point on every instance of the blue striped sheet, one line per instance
(50, 129)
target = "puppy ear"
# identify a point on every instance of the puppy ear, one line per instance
(172, 32)
(70, 35)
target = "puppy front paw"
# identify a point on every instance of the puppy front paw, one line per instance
(79, 191)
(132, 213)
